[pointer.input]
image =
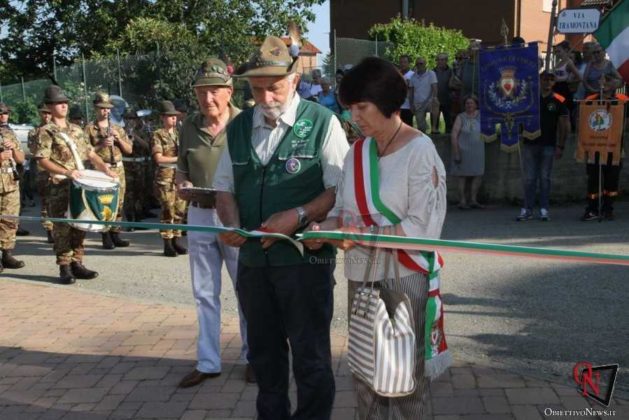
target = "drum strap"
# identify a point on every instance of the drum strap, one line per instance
(75, 152)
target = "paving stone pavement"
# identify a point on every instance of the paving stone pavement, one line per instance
(71, 354)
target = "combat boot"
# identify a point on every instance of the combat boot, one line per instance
(118, 241)
(65, 275)
(9, 261)
(130, 218)
(21, 232)
(180, 249)
(49, 237)
(169, 250)
(107, 242)
(81, 272)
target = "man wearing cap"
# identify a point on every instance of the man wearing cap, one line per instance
(58, 143)
(135, 166)
(110, 142)
(203, 140)
(42, 176)
(278, 173)
(164, 148)
(11, 154)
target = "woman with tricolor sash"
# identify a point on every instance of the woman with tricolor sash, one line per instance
(393, 183)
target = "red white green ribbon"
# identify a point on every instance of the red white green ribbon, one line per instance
(367, 192)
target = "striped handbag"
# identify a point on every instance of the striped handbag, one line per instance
(382, 348)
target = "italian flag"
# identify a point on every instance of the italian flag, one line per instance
(613, 35)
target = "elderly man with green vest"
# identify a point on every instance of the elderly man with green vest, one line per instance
(278, 173)
(202, 140)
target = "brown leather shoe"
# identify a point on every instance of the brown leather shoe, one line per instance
(250, 375)
(195, 378)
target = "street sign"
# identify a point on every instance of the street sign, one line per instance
(578, 21)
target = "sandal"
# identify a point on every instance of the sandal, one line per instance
(463, 206)
(477, 206)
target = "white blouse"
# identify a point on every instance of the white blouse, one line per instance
(407, 188)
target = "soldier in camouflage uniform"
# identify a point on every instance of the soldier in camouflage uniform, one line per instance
(42, 176)
(75, 115)
(135, 167)
(165, 146)
(110, 142)
(149, 199)
(55, 156)
(10, 155)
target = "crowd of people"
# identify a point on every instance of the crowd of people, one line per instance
(288, 165)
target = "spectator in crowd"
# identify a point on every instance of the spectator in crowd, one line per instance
(470, 71)
(444, 74)
(456, 83)
(327, 97)
(338, 76)
(588, 48)
(468, 154)
(565, 71)
(304, 88)
(351, 130)
(597, 70)
(422, 92)
(412, 185)
(315, 88)
(405, 68)
(539, 154)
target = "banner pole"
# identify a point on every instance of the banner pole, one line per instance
(550, 35)
(600, 188)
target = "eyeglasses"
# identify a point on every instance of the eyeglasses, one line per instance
(420, 63)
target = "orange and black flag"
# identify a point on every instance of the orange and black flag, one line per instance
(601, 125)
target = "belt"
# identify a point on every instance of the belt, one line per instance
(202, 206)
(6, 170)
(168, 165)
(132, 159)
(115, 165)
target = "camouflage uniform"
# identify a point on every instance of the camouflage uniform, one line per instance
(173, 207)
(9, 194)
(135, 167)
(42, 178)
(50, 145)
(97, 135)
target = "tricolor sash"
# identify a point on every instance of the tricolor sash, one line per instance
(367, 190)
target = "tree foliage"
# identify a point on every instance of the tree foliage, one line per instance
(35, 29)
(410, 37)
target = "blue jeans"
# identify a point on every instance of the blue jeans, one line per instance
(537, 162)
(207, 254)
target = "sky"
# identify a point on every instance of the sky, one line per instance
(319, 30)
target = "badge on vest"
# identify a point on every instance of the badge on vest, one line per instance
(293, 165)
(303, 128)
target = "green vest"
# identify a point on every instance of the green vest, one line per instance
(292, 178)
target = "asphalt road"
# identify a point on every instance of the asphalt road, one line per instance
(531, 316)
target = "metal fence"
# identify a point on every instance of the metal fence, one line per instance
(124, 76)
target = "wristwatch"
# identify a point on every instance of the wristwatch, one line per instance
(302, 216)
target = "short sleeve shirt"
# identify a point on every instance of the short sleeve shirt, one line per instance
(7, 178)
(551, 109)
(97, 135)
(422, 86)
(52, 145)
(168, 145)
(199, 150)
